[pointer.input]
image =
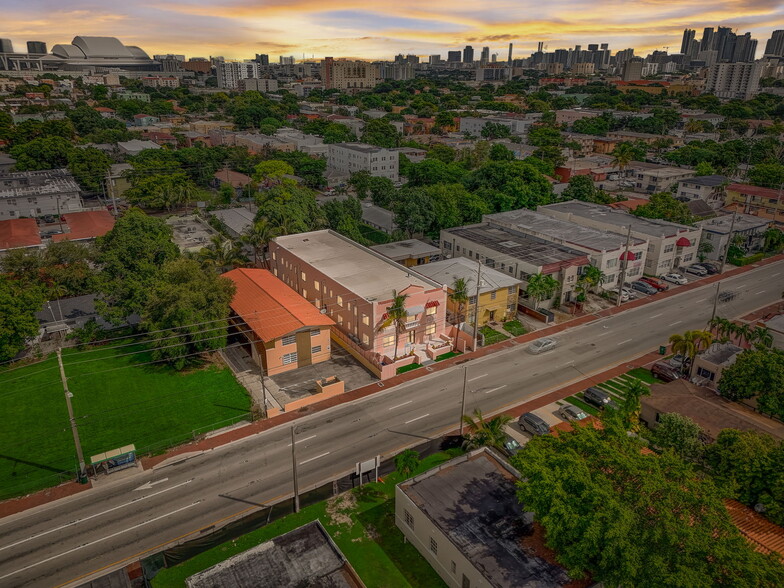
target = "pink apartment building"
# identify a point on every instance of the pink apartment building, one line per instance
(354, 286)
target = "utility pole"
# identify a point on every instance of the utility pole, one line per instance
(715, 300)
(462, 403)
(108, 186)
(263, 395)
(476, 303)
(294, 470)
(727, 245)
(74, 430)
(624, 265)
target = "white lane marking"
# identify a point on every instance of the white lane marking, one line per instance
(301, 440)
(98, 514)
(774, 275)
(494, 389)
(476, 378)
(657, 315)
(150, 484)
(624, 342)
(675, 323)
(83, 545)
(314, 458)
(761, 292)
(399, 405)
(416, 419)
(701, 300)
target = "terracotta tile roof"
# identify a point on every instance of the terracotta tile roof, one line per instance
(236, 179)
(763, 535)
(747, 190)
(19, 232)
(269, 307)
(86, 225)
(628, 204)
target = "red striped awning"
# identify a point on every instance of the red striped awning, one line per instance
(432, 303)
(627, 255)
(683, 242)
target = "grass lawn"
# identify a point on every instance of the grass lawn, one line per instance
(579, 403)
(642, 374)
(515, 327)
(448, 355)
(408, 368)
(116, 402)
(374, 235)
(362, 524)
(492, 336)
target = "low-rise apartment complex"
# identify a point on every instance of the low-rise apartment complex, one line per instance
(343, 159)
(38, 193)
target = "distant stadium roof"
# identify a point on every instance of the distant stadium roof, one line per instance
(99, 51)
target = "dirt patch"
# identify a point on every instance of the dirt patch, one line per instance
(340, 507)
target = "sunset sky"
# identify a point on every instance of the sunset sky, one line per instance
(379, 29)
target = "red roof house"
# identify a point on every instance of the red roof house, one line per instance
(284, 330)
(19, 232)
(86, 225)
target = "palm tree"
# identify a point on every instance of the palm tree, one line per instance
(623, 155)
(631, 402)
(761, 337)
(594, 276)
(743, 333)
(221, 254)
(481, 432)
(396, 315)
(459, 296)
(690, 344)
(541, 287)
(724, 327)
(258, 235)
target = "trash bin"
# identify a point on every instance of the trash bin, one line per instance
(662, 350)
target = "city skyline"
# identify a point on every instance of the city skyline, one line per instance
(238, 29)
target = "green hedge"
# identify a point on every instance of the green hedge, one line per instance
(747, 260)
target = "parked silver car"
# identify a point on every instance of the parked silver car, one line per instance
(569, 412)
(675, 279)
(697, 270)
(542, 345)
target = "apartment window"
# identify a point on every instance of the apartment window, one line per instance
(472, 300)
(511, 290)
(289, 358)
(638, 256)
(454, 567)
(458, 248)
(669, 248)
(302, 275)
(430, 329)
(688, 257)
(610, 279)
(275, 271)
(340, 301)
(709, 236)
(388, 340)
(611, 263)
(470, 253)
(274, 257)
(316, 349)
(365, 319)
(289, 339)
(430, 310)
(433, 546)
(349, 306)
(408, 518)
(466, 582)
(304, 293)
(492, 295)
(447, 245)
(703, 373)
(315, 332)
(365, 340)
(316, 285)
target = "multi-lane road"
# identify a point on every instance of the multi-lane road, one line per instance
(73, 539)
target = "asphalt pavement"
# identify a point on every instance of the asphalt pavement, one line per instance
(90, 533)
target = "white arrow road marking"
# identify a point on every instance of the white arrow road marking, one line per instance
(98, 514)
(150, 484)
(83, 545)
(416, 419)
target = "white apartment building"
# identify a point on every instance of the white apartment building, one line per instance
(343, 159)
(474, 125)
(231, 72)
(38, 193)
(734, 80)
(258, 85)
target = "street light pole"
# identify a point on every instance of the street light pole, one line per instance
(462, 403)
(71, 418)
(294, 471)
(715, 300)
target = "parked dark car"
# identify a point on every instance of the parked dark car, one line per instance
(533, 424)
(711, 268)
(660, 285)
(599, 398)
(665, 372)
(643, 287)
(511, 446)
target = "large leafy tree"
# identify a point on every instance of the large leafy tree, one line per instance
(89, 166)
(666, 207)
(162, 191)
(582, 188)
(186, 310)
(629, 519)
(131, 256)
(758, 372)
(680, 434)
(514, 184)
(42, 153)
(18, 305)
(381, 132)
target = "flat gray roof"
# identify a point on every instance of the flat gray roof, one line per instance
(363, 271)
(743, 222)
(472, 500)
(706, 180)
(303, 557)
(719, 353)
(360, 147)
(400, 250)
(617, 218)
(518, 246)
(448, 270)
(237, 219)
(563, 231)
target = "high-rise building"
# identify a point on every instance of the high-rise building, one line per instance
(349, 75)
(262, 59)
(453, 57)
(36, 47)
(632, 69)
(468, 54)
(229, 73)
(707, 44)
(775, 45)
(485, 58)
(734, 80)
(6, 46)
(688, 37)
(745, 48)
(434, 59)
(412, 59)
(287, 60)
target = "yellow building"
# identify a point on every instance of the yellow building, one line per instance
(498, 292)
(762, 202)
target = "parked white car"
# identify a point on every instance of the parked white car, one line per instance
(542, 345)
(675, 279)
(697, 270)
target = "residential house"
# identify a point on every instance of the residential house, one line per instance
(236, 220)
(38, 193)
(235, 179)
(355, 286)
(518, 255)
(746, 228)
(19, 233)
(709, 364)
(136, 146)
(464, 518)
(651, 178)
(379, 218)
(117, 180)
(604, 249)
(343, 159)
(670, 245)
(710, 189)
(144, 120)
(706, 408)
(409, 253)
(762, 202)
(498, 292)
(85, 226)
(283, 330)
